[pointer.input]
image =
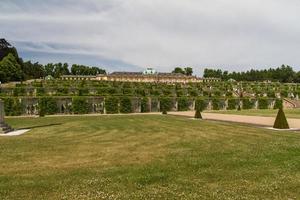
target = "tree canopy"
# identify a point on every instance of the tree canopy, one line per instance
(284, 74)
(186, 71)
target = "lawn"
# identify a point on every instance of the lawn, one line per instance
(290, 113)
(147, 157)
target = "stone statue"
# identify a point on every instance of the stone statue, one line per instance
(4, 128)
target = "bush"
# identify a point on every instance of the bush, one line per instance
(125, 105)
(80, 105)
(232, 103)
(13, 107)
(19, 91)
(145, 105)
(263, 103)
(198, 114)
(40, 91)
(112, 105)
(216, 104)
(281, 121)
(183, 104)
(247, 104)
(83, 91)
(47, 106)
(200, 104)
(165, 104)
(278, 104)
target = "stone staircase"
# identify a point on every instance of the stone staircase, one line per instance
(5, 128)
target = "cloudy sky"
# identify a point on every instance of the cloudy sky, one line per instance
(134, 34)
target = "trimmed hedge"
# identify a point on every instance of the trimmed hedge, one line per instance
(112, 105)
(232, 104)
(80, 105)
(263, 103)
(144, 105)
(216, 104)
(247, 103)
(12, 107)
(281, 121)
(47, 106)
(125, 105)
(183, 104)
(200, 104)
(165, 104)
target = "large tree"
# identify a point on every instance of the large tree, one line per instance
(186, 71)
(10, 69)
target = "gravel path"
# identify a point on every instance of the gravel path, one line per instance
(256, 120)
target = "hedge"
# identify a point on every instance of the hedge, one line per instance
(200, 104)
(165, 104)
(12, 107)
(80, 105)
(247, 103)
(183, 104)
(145, 105)
(263, 103)
(216, 104)
(112, 105)
(47, 106)
(125, 105)
(232, 104)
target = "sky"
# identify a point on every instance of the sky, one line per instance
(130, 35)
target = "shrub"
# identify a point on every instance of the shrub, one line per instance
(125, 105)
(232, 103)
(247, 104)
(198, 114)
(216, 104)
(281, 121)
(19, 91)
(183, 104)
(12, 107)
(165, 104)
(47, 106)
(112, 105)
(278, 104)
(200, 104)
(40, 91)
(80, 105)
(83, 91)
(263, 103)
(144, 105)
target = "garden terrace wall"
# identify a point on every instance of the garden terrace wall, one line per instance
(124, 104)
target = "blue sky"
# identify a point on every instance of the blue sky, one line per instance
(130, 35)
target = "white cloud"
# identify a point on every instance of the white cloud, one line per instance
(233, 34)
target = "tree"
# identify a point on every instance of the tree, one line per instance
(188, 71)
(10, 69)
(178, 70)
(281, 121)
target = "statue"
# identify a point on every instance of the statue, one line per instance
(4, 128)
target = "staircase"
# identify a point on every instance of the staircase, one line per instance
(5, 128)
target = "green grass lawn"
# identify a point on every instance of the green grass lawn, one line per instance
(290, 113)
(147, 157)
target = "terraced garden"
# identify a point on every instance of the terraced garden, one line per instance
(80, 97)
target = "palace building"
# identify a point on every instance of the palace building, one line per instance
(148, 76)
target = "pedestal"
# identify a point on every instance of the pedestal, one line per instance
(4, 128)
